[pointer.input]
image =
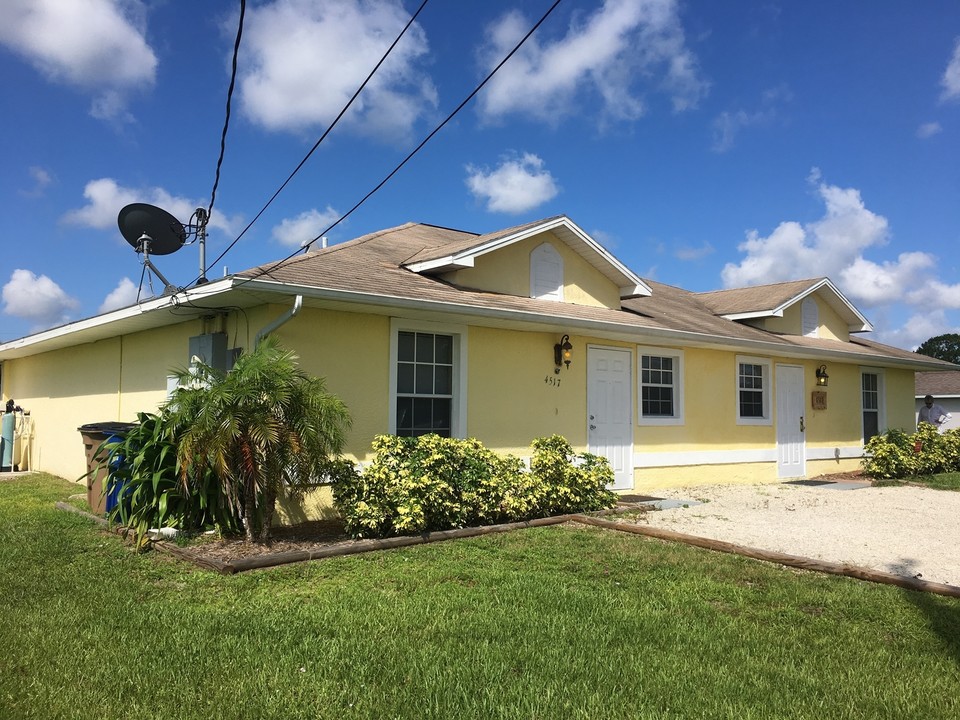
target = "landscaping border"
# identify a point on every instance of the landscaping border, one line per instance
(259, 562)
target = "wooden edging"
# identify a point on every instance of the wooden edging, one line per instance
(353, 548)
(796, 561)
(362, 546)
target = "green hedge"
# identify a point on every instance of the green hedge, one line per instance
(897, 454)
(429, 483)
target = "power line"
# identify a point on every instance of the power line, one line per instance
(226, 121)
(322, 137)
(417, 149)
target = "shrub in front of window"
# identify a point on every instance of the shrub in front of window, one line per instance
(433, 483)
(896, 454)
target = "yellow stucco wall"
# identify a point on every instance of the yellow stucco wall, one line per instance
(110, 380)
(351, 352)
(508, 271)
(514, 395)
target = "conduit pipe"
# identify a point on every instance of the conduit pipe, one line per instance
(288, 315)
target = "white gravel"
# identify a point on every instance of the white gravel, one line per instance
(910, 531)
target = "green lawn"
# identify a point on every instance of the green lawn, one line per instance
(556, 622)
(941, 481)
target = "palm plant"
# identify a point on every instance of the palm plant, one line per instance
(266, 429)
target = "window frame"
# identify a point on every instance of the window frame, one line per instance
(766, 389)
(881, 408)
(678, 382)
(458, 409)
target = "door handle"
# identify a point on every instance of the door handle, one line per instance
(593, 427)
(801, 424)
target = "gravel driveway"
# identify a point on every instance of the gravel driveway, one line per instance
(910, 531)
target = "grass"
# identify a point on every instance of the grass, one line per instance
(940, 481)
(557, 622)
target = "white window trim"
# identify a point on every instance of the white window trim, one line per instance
(678, 382)
(881, 399)
(458, 412)
(767, 365)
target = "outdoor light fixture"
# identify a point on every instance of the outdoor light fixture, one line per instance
(822, 376)
(561, 353)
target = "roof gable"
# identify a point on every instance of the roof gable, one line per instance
(761, 301)
(462, 254)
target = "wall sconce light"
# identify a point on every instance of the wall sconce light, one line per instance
(822, 376)
(562, 353)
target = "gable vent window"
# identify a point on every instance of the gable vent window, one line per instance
(546, 273)
(810, 318)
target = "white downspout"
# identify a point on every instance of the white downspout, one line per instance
(288, 315)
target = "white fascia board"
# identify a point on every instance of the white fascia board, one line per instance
(860, 325)
(450, 262)
(755, 314)
(634, 287)
(115, 316)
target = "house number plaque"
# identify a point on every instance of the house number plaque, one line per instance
(818, 400)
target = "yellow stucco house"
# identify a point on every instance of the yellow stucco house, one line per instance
(526, 332)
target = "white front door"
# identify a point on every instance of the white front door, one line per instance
(609, 416)
(791, 445)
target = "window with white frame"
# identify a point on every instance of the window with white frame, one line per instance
(426, 380)
(753, 391)
(661, 386)
(871, 403)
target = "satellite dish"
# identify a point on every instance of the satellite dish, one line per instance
(142, 224)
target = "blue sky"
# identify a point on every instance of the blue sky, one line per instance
(705, 144)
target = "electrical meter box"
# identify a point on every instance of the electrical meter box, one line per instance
(211, 348)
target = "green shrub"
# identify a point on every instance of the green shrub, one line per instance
(152, 495)
(896, 454)
(432, 483)
(573, 483)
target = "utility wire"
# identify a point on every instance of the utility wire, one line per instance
(226, 121)
(322, 137)
(417, 149)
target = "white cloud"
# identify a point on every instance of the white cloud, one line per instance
(728, 125)
(42, 179)
(825, 247)
(294, 232)
(835, 246)
(105, 198)
(95, 45)
(306, 58)
(917, 329)
(605, 54)
(515, 186)
(694, 253)
(123, 295)
(928, 130)
(951, 76)
(37, 299)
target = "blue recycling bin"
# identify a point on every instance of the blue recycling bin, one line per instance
(101, 495)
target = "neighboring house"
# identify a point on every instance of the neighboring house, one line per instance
(422, 328)
(945, 387)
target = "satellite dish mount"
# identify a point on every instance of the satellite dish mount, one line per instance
(152, 231)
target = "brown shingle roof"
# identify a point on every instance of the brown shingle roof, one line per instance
(372, 265)
(938, 384)
(755, 299)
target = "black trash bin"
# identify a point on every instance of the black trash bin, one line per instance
(98, 471)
